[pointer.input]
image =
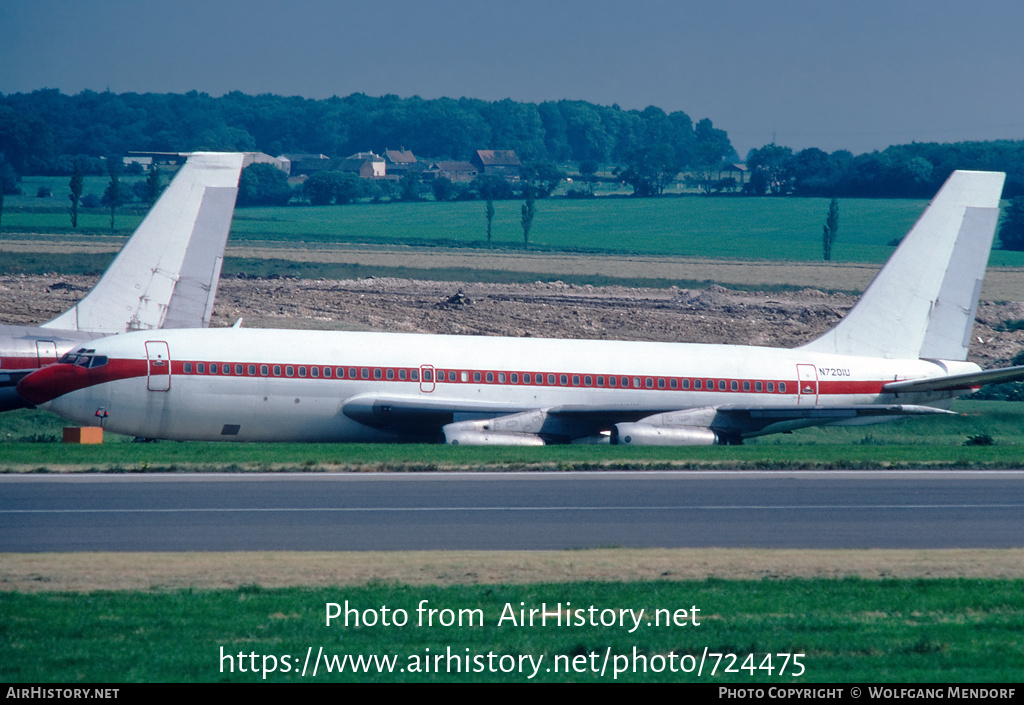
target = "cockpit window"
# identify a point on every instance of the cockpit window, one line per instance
(83, 358)
(71, 357)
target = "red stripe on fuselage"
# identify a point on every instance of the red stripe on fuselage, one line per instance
(52, 381)
(56, 380)
(21, 363)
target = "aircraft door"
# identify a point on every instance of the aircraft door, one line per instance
(807, 384)
(46, 352)
(159, 361)
(426, 378)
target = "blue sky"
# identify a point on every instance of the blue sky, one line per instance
(836, 75)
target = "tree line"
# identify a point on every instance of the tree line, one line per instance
(915, 170)
(43, 131)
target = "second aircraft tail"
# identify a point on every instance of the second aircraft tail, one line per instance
(166, 275)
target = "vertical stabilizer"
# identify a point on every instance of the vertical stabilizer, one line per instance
(923, 301)
(166, 274)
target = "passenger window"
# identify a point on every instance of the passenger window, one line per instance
(490, 376)
(364, 373)
(314, 371)
(697, 384)
(390, 373)
(403, 374)
(376, 373)
(351, 372)
(612, 381)
(188, 367)
(464, 376)
(264, 370)
(782, 387)
(758, 386)
(686, 384)
(575, 380)
(721, 385)
(527, 379)
(746, 386)
(673, 383)
(514, 378)
(649, 383)
(771, 386)
(289, 371)
(661, 382)
(213, 368)
(600, 381)
(414, 375)
(277, 371)
(428, 375)
(734, 386)
(239, 369)
(636, 383)
(252, 369)
(225, 369)
(551, 379)
(563, 380)
(587, 380)
(201, 368)
(302, 371)
(501, 378)
(327, 372)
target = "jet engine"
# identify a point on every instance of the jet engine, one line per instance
(645, 434)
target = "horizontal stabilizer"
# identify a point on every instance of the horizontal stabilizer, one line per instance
(952, 383)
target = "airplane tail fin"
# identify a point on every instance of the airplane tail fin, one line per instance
(166, 275)
(922, 303)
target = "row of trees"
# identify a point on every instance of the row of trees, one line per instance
(266, 185)
(40, 131)
(915, 170)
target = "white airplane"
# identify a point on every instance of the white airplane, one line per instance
(901, 351)
(165, 276)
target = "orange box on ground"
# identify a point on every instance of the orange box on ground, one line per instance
(83, 434)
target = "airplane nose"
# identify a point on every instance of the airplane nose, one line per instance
(52, 381)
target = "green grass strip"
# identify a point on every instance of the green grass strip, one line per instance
(848, 630)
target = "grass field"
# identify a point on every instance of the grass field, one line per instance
(848, 630)
(734, 227)
(29, 443)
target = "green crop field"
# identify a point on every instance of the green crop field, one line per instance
(691, 226)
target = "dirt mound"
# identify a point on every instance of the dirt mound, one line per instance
(542, 309)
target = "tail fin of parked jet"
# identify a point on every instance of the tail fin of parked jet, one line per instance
(923, 301)
(166, 274)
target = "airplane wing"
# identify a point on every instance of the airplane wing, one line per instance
(482, 423)
(951, 383)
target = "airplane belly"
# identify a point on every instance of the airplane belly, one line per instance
(221, 409)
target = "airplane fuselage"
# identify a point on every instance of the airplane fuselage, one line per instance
(24, 349)
(267, 385)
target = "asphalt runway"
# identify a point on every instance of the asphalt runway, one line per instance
(511, 511)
